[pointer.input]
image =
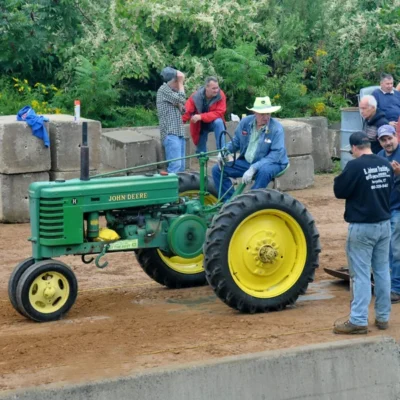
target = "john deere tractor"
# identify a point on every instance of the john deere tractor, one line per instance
(258, 251)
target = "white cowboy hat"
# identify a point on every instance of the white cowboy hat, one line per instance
(262, 105)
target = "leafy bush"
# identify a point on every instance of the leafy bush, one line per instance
(94, 85)
(242, 70)
(312, 57)
(10, 100)
(131, 116)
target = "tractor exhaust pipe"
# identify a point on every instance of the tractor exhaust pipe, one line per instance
(84, 153)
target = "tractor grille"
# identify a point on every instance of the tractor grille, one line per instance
(51, 219)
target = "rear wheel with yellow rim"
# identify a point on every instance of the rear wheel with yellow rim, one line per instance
(46, 291)
(261, 251)
(174, 271)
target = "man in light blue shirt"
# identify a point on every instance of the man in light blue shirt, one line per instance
(260, 140)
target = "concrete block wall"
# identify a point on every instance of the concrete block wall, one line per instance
(122, 144)
(14, 200)
(22, 155)
(24, 159)
(357, 369)
(129, 147)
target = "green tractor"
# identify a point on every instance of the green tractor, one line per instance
(258, 251)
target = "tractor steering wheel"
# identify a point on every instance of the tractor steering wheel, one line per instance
(225, 153)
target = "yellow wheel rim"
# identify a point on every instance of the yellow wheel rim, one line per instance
(49, 292)
(194, 194)
(182, 265)
(267, 253)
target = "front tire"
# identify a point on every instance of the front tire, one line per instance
(14, 279)
(178, 272)
(46, 291)
(261, 251)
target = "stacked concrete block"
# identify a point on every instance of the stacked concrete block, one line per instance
(65, 143)
(14, 199)
(56, 175)
(20, 151)
(334, 139)
(300, 174)
(133, 146)
(298, 143)
(320, 143)
(334, 143)
(129, 148)
(23, 159)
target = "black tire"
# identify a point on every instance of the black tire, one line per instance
(151, 260)
(14, 279)
(190, 181)
(60, 275)
(286, 220)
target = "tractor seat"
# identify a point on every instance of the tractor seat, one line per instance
(275, 182)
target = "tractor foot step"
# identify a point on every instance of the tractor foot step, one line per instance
(341, 273)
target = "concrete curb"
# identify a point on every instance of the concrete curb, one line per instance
(367, 368)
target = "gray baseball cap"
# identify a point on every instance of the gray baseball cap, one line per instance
(386, 130)
(168, 74)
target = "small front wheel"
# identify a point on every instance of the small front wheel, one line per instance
(14, 279)
(46, 291)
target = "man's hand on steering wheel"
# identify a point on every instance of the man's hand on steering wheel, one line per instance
(225, 157)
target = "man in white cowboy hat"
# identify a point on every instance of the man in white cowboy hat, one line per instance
(260, 141)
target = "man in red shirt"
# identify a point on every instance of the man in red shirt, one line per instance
(206, 109)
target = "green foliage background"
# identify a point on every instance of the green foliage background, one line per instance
(310, 56)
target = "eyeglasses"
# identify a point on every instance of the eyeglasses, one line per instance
(351, 152)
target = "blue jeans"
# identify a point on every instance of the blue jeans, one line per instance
(175, 148)
(263, 176)
(368, 246)
(395, 251)
(217, 126)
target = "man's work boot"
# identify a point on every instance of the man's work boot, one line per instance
(394, 298)
(382, 324)
(347, 328)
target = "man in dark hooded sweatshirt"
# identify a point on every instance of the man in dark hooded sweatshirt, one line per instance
(206, 110)
(373, 120)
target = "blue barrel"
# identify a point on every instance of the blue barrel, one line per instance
(351, 122)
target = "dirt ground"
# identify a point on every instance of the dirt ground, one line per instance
(123, 322)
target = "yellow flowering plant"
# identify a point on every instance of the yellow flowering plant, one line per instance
(38, 96)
